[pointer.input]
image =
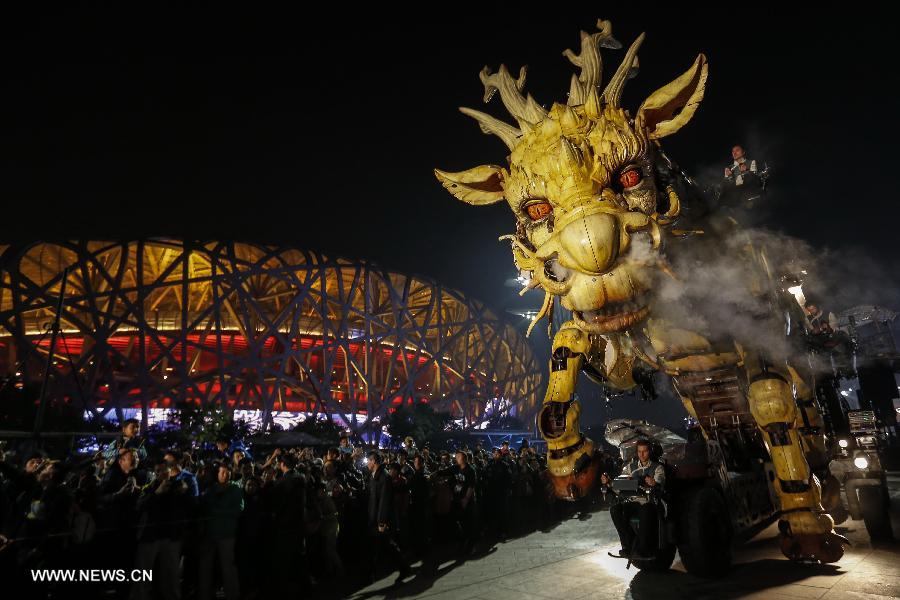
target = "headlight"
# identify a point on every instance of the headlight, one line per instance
(861, 462)
(843, 443)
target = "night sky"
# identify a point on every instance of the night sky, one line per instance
(322, 133)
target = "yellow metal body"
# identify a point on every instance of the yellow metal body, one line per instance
(592, 223)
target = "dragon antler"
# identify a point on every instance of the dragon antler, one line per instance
(583, 89)
(590, 61)
(613, 92)
(524, 109)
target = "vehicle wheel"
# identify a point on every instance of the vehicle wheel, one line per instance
(664, 559)
(839, 514)
(705, 533)
(875, 513)
(831, 497)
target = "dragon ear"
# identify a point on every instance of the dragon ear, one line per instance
(669, 108)
(479, 186)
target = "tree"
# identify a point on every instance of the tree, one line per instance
(419, 421)
(326, 430)
(207, 424)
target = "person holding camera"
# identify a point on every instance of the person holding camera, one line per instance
(123, 481)
(165, 509)
(117, 514)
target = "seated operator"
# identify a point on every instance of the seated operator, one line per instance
(820, 322)
(742, 171)
(652, 475)
(743, 181)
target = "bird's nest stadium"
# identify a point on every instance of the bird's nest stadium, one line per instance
(272, 332)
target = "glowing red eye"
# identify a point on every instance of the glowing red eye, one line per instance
(630, 178)
(538, 210)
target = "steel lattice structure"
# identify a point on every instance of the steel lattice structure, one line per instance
(158, 323)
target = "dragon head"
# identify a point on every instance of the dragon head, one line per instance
(587, 183)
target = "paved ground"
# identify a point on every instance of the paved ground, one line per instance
(571, 562)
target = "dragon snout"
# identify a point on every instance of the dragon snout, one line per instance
(590, 242)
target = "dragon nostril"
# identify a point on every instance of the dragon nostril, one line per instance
(554, 271)
(548, 271)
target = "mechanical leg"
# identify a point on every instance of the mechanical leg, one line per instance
(811, 425)
(570, 457)
(807, 530)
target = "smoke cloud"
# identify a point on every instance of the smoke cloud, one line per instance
(721, 290)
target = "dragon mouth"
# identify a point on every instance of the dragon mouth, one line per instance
(617, 316)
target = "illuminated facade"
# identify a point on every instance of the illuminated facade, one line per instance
(161, 323)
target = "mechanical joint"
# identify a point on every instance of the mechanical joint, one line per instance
(794, 486)
(558, 422)
(559, 360)
(561, 453)
(779, 433)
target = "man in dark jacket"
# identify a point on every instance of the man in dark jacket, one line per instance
(499, 487)
(173, 460)
(420, 506)
(117, 511)
(406, 467)
(221, 509)
(287, 500)
(165, 507)
(465, 514)
(48, 517)
(381, 518)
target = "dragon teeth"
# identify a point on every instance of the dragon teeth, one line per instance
(626, 311)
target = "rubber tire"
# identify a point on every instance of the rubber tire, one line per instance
(705, 533)
(839, 514)
(875, 513)
(663, 561)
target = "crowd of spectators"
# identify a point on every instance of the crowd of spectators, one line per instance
(278, 521)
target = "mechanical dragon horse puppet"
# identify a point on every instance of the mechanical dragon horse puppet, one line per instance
(595, 201)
